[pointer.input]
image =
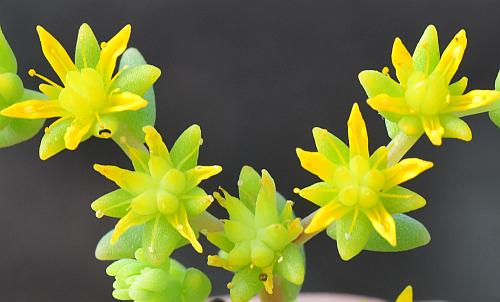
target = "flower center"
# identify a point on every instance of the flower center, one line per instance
(84, 93)
(171, 185)
(358, 183)
(426, 95)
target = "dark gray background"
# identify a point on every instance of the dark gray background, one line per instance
(257, 76)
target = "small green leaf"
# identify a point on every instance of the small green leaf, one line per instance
(196, 286)
(292, 266)
(185, 151)
(245, 285)
(160, 239)
(220, 240)
(401, 200)
(125, 247)
(134, 121)
(248, 186)
(87, 51)
(14, 131)
(8, 61)
(410, 233)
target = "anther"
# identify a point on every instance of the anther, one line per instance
(263, 277)
(105, 133)
(296, 190)
(99, 214)
(385, 70)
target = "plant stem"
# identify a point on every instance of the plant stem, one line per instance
(277, 295)
(398, 147)
(303, 237)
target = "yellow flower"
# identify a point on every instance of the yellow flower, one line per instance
(358, 191)
(163, 192)
(406, 295)
(424, 100)
(89, 91)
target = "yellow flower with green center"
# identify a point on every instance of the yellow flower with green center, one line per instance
(358, 191)
(89, 95)
(406, 295)
(161, 193)
(424, 100)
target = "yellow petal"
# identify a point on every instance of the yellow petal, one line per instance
(452, 56)
(325, 216)
(319, 193)
(199, 173)
(126, 222)
(55, 54)
(155, 143)
(76, 131)
(180, 222)
(404, 170)
(433, 129)
(34, 109)
(358, 137)
(386, 103)
(454, 127)
(49, 90)
(125, 101)
(406, 295)
(111, 50)
(134, 182)
(317, 164)
(401, 59)
(382, 222)
(472, 100)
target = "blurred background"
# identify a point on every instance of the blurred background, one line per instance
(257, 76)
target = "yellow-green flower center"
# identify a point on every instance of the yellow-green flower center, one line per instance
(84, 94)
(358, 183)
(426, 94)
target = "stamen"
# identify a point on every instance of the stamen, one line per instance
(263, 277)
(99, 121)
(33, 73)
(356, 212)
(385, 70)
(105, 133)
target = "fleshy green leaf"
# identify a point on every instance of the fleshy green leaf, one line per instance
(196, 286)
(159, 240)
(14, 131)
(134, 121)
(410, 233)
(248, 186)
(245, 285)
(185, 151)
(87, 49)
(125, 247)
(8, 61)
(292, 266)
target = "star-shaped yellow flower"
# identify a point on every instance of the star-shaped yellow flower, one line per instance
(162, 191)
(358, 191)
(424, 100)
(89, 92)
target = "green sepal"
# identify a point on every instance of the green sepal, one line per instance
(350, 242)
(245, 285)
(134, 121)
(495, 114)
(125, 247)
(113, 204)
(185, 151)
(137, 79)
(220, 240)
(330, 146)
(8, 62)
(426, 54)
(12, 89)
(160, 239)
(292, 267)
(408, 200)
(87, 51)
(249, 186)
(196, 286)
(374, 83)
(14, 131)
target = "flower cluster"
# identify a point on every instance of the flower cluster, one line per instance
(358, 191)
(138, 280)
(90, 96)
(161, 193)
(257, 240)
(424, 100)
